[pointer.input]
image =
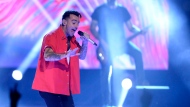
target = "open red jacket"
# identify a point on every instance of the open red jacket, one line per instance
(57, 76)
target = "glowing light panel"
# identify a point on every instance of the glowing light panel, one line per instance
(23, 24)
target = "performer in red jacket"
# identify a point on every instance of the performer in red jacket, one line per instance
(57, 74)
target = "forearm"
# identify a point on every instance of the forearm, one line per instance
(54, 57)
(83, 50)
(135, 29)
(132, 28)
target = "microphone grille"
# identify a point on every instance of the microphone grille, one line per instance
(80, 33)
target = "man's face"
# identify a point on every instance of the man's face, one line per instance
(72, 24)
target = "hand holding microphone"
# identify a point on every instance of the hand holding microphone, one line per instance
(82, 34)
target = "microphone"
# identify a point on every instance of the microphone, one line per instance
(82, 34)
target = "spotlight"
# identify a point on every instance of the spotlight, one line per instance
(126, 84)
(17, 75)
(101, 56)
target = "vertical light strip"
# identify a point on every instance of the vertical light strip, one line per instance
(109, 78)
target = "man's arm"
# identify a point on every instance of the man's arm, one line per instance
(50, 55)
(132, 28)
(94, 28)
(83, 50)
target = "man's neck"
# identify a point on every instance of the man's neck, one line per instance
(64, 30)
(69, 38)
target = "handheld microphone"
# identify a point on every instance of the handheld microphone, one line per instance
(82, 34)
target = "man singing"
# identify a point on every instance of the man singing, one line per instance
(57, 74)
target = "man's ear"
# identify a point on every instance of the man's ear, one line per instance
(64, 22)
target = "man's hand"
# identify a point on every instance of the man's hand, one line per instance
(83, 49)
(145, 30)
(85, 37)
(71, 53)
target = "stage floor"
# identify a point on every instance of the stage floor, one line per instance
(173, 93)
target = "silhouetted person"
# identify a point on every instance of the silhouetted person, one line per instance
(14, 96)
(108, 26)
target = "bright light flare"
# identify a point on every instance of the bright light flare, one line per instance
(126, 84)
(101, 56)
(17, 75)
